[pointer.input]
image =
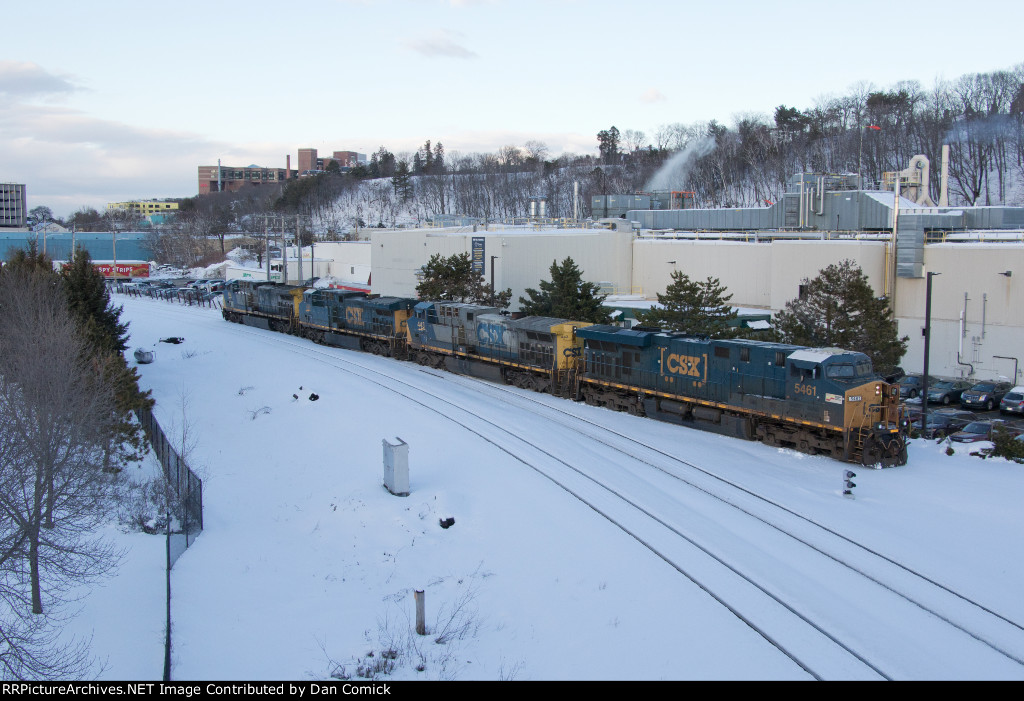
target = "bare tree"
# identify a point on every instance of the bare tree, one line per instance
(54, 494)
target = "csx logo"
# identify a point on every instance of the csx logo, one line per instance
(678, 364)
(354, 315)
(491, 334)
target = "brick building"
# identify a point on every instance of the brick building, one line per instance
(310, 163)
(220, 178)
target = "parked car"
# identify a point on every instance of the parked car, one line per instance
(979, 431)
(1013, 402)
(209, 285)
(910, 385)
(947, 391)
(941, 425)
(985, 395)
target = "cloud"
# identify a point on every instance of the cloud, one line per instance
(442, 43)
(20, 79)
(652, 95)
(68, 159)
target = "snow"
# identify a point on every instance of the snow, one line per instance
(814, 355)
(307, 563)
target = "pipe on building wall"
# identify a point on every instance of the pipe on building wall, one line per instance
(984, 311)
(963, 326)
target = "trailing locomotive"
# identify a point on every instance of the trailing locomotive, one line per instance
(341, 318)
(538, 353)
(815, 400)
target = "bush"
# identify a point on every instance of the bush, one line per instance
(1006, 446)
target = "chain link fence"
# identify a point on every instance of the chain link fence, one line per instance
(186, 488)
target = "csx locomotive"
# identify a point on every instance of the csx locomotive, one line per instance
(826, 401)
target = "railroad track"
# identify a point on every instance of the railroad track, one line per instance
(672, 507)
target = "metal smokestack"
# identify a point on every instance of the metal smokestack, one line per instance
(944, 178)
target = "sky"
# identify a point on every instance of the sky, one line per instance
(306, 564)
(116, 100)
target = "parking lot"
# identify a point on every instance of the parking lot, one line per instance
(962, 416)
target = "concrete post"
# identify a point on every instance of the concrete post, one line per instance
(396, 467)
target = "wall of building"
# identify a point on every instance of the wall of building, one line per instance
(13, 206)
(993, 312)
(522, 260)
(760, 275)
(346, 261)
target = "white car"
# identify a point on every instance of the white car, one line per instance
(1013, 402)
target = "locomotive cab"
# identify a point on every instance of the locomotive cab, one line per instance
(841, 388)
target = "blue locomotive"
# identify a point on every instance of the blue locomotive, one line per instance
(825, 401)
(815, 400)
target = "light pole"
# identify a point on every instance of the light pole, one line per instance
(492, 278)
(927, 342)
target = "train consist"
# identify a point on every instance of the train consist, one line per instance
(826, 401)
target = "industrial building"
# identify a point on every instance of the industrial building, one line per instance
(762, 255)
(13, 209)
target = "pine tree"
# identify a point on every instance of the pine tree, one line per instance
(700, 308)
(566, 296)
(30, 260)
(89, 302)
(401, 181)
(106, 340)
(840, 310)
(452, 279)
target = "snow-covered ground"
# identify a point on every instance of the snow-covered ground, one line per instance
(586, 544)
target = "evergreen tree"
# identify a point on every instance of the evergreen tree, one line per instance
(693, 307)
(608, 145)
(106, 339)
(840, 310)
(402, 182)
(89, 302)
(30, 261)
(566, 296)
(452, 279)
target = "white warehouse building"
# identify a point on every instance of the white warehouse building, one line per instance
(977, 315)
